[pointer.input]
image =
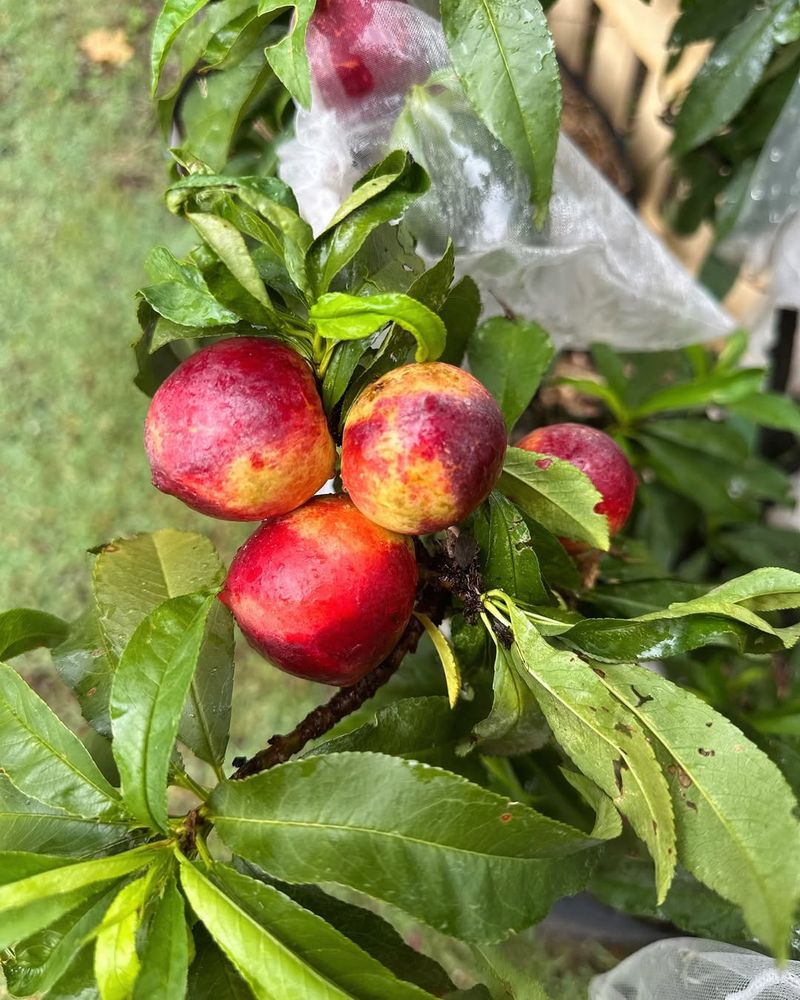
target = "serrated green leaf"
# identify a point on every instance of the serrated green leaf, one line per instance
(504, 55)
(432, 287)
(206, 721)
(150, 688)
(370, 932)
(36, 901)
(116, 961)
(729, 75)
(228, 243)
(288, 56)
(556, 494)
(769, 409)
(171, 19)
(601, 738)
(608, 822)
(39, 962)
(26, 824)
(508, 556)
(344, 361)
(720, 388)
(86, 664)
(281, 949)
(381, 196)
(211, 975)
(460, 314)
(510, 357)
(337, 316)
(179, 292)
(515, 724)
(46, 760)
(22, 629)
(165, 956)
(365, 820)
(734, 812)
(132, 576)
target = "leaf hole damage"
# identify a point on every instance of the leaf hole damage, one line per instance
(641, 699)
(544, 463)
(706, 753)
(600, 673)
(622, 727)
(619, 767)
(683, 778)
(691, 805)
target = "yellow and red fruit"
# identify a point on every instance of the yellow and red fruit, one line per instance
(599, 457)
(422, 448)
(238, 431)
(322, 592)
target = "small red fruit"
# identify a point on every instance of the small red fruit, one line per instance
(322, 592)
(355, 54)
(238, 431)
(422, 448)
(596, 454)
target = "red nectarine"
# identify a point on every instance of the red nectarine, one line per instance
(238, 431)
(423, 446)
(322, 592)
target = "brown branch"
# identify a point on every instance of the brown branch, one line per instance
(324, 718)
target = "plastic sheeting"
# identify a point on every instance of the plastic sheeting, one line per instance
(596, 273)
(694, 969)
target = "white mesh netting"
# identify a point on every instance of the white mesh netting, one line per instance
(692, 969)
(381, 79)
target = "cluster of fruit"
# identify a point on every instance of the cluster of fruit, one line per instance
(326, 586)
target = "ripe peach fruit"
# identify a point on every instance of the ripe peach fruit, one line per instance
(596, 454)
(422, 448)
(355, 55)
(238, 431)
(322, 592)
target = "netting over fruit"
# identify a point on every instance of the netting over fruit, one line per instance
(692, 969)
(382, 80)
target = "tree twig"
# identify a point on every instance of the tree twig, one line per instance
(325, 717)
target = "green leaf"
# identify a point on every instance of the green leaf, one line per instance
(734, 812)
(601, 738)
(181, 295)
(26, 824)
(720, 388)
(44, 759)
(212, 112)
(86, 664)
(228, 243)
(39, 962)
(628, 600)
(729, 75)
(206, 721)
(281, 949)
(350, 317)
(287, 57)
(23, 629)
(707, 19)
(171, 19)
(36, 901)
(508, 556)
(371, 933)
(505, 58)
(510, 357)
(452, 671)
(116, 961)
(460, 314)
(344, 361)
(132, 576)
(759, 545)
(608, 822)
(557, 567)
(211, 975)
(515, 724)
(432, 287)
(366, 820)
(165, 957)
(599, 390)
(556, 494)
(381, 196)
(769, 409)
(149, 690)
